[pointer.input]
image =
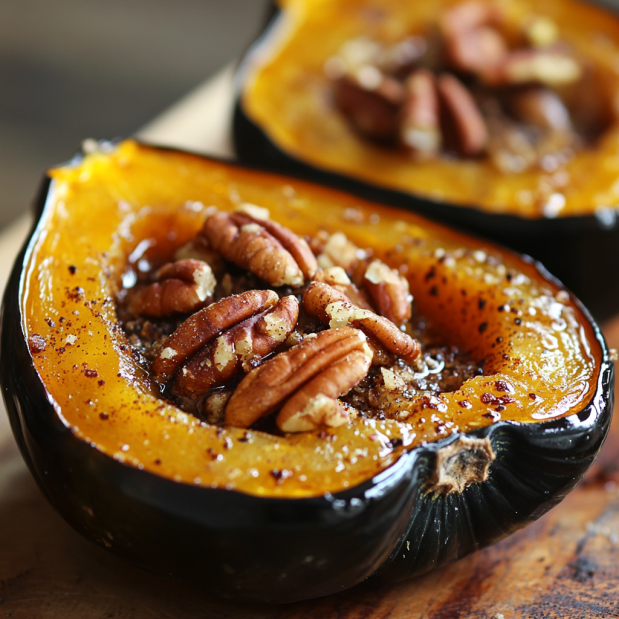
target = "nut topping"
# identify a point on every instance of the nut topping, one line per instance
(478, 50)
(389, 291)
(198, 249)
(542, 108)
(453, 91)
(470, 130)
(542, 32)
(316, 403)
(263, 247)
(295, 245)
(335, 310)
(184, 286)
(314, 373)
(250, 340)
(256, 353)
(338, 251)
(468, 16)
(254, 211)
(420, 129)
(206, 325)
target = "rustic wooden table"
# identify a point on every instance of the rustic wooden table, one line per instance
(566, 565)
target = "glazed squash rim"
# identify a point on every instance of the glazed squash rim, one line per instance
(567, 421)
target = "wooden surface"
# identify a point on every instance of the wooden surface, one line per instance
(565, 565)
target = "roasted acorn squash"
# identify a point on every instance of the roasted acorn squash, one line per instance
(200, 503)
(286, 119)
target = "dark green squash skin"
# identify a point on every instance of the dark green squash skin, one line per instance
(582, 251)
(237, 545)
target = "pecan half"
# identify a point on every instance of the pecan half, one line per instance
(334, 309)
(420, 129)
(250, 340)
(206, 325)
(389, 291)
(467, 16)
(263, 247)
(184, 286)
(338, 279)
(463, 115)
(370, 101)
(295, 245)
(316, 405)
(308, 366)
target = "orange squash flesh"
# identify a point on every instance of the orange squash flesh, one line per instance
(287, 95)
(492, 304)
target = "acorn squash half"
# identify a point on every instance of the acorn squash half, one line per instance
(136, 475)
(286, 118)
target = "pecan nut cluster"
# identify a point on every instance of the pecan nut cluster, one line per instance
(296, 340)
(468, 85)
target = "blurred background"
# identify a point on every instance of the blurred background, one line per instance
(73, 69)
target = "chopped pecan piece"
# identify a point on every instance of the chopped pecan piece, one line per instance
(338, 279)
(420, 129)
(470, 131)
(389, 291)
(184, 286)
(295, 245)
(250, 340)
(334, 309)
(370, 101)
(263, 247)
(205, 325)
(542, 32)
(318, 371)
(541, 108)
(400, 58)
(473, 44)
(356, 53)
(477, 51)
(549, 67)
(316, 405)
